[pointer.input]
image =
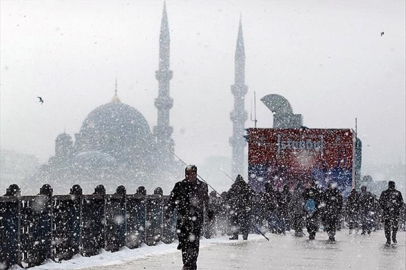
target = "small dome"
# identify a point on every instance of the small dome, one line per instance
(94, 159)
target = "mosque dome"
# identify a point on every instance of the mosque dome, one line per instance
(116, 129)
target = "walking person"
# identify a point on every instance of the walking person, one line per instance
(352, 210)
(284, 204)
(239, 198)
(311, 197)
(366, 205)
(212, 213)
(391, 202)
(333, 203)
(270, 200)
(190, 198)
(297, 210)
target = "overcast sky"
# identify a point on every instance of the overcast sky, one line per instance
(328, 58)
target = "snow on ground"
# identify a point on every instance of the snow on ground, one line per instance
(353, 251)
(106, 258)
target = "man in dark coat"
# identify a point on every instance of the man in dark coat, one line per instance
(284, 203)
(212, 213)
(312, 198)
(391, 201)
(333, 204)
(190, 198)
(239, 198)
(270, 205)
(352, 210)
(297, 210)
(366, 206)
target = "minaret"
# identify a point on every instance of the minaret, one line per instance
(115, 98)
(162, 131)
(238, 116)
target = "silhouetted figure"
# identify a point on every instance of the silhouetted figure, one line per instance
(333, 203)
(352, 210)
(297, 210)
(366, 206)
(41, 100)
(190, 198)
(270, 205)
(212, 213)
(239, 198)
(284, 201)
(312, 197)
(382, 33)
(391, 202)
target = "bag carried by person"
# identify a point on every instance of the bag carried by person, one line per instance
(310, 206)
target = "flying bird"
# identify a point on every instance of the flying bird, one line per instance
(41, 100)
(382, 33)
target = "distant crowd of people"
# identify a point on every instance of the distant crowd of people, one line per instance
(310, 208)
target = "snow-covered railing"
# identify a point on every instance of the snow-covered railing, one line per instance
(36, 228)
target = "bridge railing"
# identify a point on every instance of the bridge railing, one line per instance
(34, 229)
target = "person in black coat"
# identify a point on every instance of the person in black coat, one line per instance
(352, 210)
(333, 204)
(366, 206)
(284, 203)
(212, 213)
(297, 210)
(190, 198)
(270, 205)
(391, 201)
(312, 197)
(239, 198)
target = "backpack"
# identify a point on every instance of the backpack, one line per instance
(310, 206)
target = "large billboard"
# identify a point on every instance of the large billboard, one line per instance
(290, 156)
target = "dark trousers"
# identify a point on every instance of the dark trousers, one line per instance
(366, 222)
(331, 223)
(352, 221)
(240, 223)
(189, 242)
(391, 228)
(298, 222)
(312, 226)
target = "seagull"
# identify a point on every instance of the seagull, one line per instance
(382, 33)
(41, 100)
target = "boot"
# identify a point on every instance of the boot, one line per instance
(394, 236)
(394, 239)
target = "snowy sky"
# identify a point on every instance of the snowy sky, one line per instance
(327, 58)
